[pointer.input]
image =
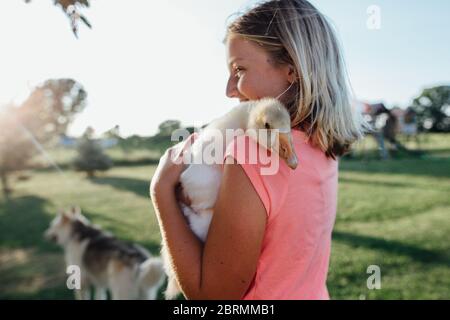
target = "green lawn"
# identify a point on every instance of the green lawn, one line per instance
(394, 214)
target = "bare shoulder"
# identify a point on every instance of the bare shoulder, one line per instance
(236, 234)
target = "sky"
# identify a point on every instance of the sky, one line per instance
(144, 62)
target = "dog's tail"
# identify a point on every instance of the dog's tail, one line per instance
(172, 290)
(151, 277)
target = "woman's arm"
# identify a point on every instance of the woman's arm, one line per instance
(224, 266)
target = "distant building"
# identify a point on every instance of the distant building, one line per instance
(108, 142)
(71, 142)
(68, 142)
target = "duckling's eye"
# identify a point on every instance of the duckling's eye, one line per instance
(267, 125)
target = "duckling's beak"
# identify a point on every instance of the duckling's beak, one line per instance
(287, 151)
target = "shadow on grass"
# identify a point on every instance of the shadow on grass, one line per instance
(59, 292)
(393, 247)
(138, 186)
(30, 262)
(34, 267)
(438, 151)
(117, 163)
(431, 167)
(377, 183)
(100, 219)
(23, 222)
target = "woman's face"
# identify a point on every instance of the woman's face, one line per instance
(252, 74)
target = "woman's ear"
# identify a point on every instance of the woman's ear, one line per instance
(292, 74)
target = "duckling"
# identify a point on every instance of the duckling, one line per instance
(201, 180)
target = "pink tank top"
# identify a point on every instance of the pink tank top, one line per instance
(301, 209)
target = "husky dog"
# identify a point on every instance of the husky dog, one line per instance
(127, 270)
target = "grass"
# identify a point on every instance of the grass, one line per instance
(393, 213)
(64, 156)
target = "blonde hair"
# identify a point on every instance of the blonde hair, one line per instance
(294, 32)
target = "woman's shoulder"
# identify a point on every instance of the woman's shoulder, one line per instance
(311, 158)
(268, 175)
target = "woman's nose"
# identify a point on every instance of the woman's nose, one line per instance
(232, 91)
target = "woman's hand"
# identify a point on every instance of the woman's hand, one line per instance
(181, 197)
(170, 167)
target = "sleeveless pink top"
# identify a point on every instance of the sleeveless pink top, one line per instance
(301, 209)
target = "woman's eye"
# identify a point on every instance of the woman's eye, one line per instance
(238, 71)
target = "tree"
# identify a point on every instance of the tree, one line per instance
(433, 109)
(114, 133)
(72, 9)
(36, 123)
(167, 127)
(91, 157)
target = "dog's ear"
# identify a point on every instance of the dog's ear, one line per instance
(66, 216)
(75, 210)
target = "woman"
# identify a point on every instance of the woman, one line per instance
(270, 236)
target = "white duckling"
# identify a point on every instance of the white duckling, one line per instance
(201, 179)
